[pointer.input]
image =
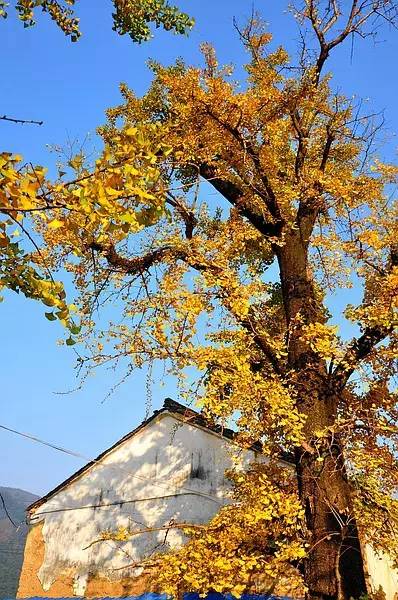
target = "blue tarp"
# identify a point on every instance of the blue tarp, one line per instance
(189, 596)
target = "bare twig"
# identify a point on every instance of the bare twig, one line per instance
(151, 530)
(21, 121)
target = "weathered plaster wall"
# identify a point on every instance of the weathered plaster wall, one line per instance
(381, 573)
(63, 587)
(29, 583)
(168, 471)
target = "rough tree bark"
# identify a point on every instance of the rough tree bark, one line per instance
(334, 567)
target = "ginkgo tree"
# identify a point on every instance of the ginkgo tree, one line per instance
(229, 291)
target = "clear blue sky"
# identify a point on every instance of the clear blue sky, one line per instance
(45, 76)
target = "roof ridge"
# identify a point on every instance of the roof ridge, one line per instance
(198, 418)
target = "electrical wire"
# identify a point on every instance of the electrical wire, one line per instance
(36, 439)
(108, 504)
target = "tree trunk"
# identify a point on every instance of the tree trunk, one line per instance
(333, 569)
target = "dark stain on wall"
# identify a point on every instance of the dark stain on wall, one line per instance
(198, 470)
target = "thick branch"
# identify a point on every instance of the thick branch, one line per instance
(132, 266)
(247, 146)
(235, 196)
(138, 265)
(185, 213)
(359, 349)
(309, 207)
(326, 150)
(302, 143)
(261, 342)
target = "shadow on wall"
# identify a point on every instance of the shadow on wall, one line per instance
(165, 473)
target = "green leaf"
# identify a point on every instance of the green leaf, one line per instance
(50, 316)
(70, 341)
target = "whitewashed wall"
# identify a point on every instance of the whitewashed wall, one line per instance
(168, 470)
(381, 573)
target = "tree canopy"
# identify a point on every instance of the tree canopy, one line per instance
(218, 217)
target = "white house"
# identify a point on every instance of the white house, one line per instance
(171, 469)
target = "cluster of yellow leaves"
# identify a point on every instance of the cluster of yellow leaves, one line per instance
(381, 308)
(253, 538)
(21, 271)
(19, 188)
(117, 198)
(376, 508)
(322, 339)
(367, 427)
(266, 406)
(99, 206)
(219, 120)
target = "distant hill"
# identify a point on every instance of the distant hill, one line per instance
(12, 540)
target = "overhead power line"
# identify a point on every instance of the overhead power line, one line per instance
(110, 504)
(49, 444)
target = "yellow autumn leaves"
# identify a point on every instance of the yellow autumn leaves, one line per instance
(120, 195)
(247, 543)
(195, 280)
